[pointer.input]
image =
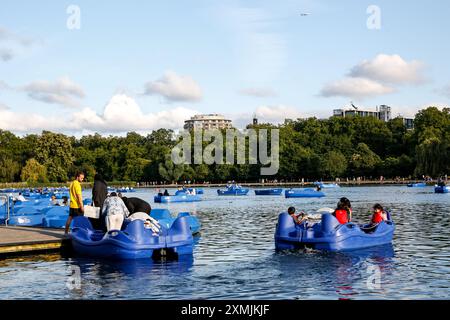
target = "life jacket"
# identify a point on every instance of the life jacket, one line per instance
(342, 216)
(377, 217)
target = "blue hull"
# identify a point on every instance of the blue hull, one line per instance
(304, 193)
(329, 235)
(233, 192)
(177, 198)
(269, 192)
(134, 242)
(417, 185)
(52, 217)
(442, 189)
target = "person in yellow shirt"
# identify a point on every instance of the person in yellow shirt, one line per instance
(76, 200)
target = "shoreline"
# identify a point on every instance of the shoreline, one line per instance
(288, 184)
(223, 184)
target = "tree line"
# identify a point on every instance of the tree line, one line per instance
(311, 148)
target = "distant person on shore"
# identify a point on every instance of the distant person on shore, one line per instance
(136, 205)
(343, 212)
(76, 200)
(298, 218)
(99, 195)
(114, 211)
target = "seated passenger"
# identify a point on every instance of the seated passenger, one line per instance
(343, 212)
(149, 222)
(65, 202)
(54, 201)
(379, 215)
(114, 212)
(166, 193)
(300, 218)
(20, 197)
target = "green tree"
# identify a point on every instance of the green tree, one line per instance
(169, 171)
(9, 169)
(34, 172)
(333, 164)
(364, 161)
(55, 152)
(432, 157)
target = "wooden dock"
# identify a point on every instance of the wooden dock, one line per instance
(24, 240)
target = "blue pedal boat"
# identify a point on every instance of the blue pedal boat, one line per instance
(442, 189)
(180, 196)
(268, 192)
(417, 185)
(303, 193)
(330, 235)
(233, 191)
(134, 241)
(327, 185)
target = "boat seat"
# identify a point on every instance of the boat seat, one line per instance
(369, 229)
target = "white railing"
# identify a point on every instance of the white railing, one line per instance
(5, 198)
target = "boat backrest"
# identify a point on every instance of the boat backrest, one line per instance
(286, 226)
(184, 214)
(389, 216)
(82, 223)
(329, 223)
(136, 230)
(159, 214)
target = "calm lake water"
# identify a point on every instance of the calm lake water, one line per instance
(234, 257)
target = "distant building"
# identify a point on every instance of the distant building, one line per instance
(207, 121)
(382, 112)
(255, 120)
(409, 123)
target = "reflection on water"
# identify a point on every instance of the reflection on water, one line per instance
(234, 258)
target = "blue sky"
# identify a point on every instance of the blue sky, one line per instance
(140, 65)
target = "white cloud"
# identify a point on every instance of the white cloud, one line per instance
(3, 85)
(258, 92)
(275, 114)
(390, 69)
(121, 114)
(376, 77)
(6, 54)
(11, 43)
(175, 88)
(64, 91)
(3, 107)
(445, 91)
(355, 88)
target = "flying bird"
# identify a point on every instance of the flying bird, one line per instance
(304, 14)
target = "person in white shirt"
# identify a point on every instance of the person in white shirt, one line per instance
(20, 197)
(115, 212)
